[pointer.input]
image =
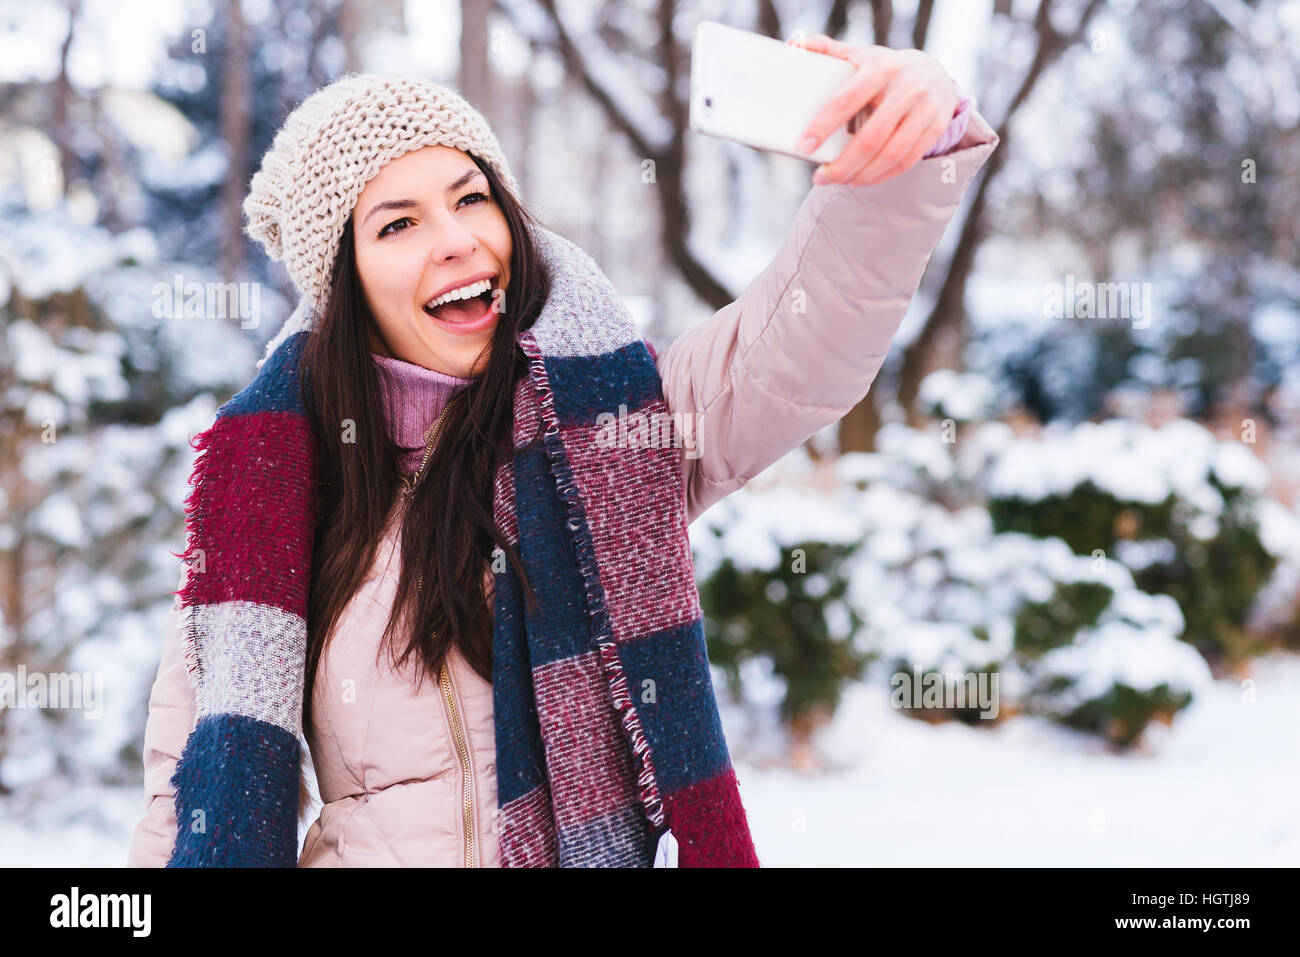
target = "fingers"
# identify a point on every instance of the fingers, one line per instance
(871, 139)
(862, 88)
(820, 43)
(914, 136)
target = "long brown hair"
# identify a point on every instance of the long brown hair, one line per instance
(448, 529)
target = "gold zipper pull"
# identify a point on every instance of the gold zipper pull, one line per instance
(430, 435)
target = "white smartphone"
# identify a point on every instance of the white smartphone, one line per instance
(763, 93)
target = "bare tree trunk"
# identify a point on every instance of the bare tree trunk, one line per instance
(526, 108)
(1243, 348)
(769, 21)
(944, 331)
(943, 336)
(474, 74)
(837, 19)
(349, 34)
(600, 187)
(668, 159)
(882, 18)
(857, 429)
(15, 609)
(236, 109)
(112, 175)
(62, 134)
(922, 26)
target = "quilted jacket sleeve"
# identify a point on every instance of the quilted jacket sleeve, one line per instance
(171, 718)
(803, 343)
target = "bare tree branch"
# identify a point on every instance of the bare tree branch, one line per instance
(577, 64)
(669, 160)
(882, 18)
(236, 112)
(922, 26)
(474, 72)
(63, 99)
(837, 18)
(947, 318)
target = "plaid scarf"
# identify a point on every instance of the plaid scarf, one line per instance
(607, 730)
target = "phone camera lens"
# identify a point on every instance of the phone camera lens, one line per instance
(708, 101)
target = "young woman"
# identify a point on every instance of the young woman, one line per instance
(439, 388)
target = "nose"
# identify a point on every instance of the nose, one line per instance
(452, 242)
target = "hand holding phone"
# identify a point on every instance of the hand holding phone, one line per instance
(871, 112)
(912, 100)
(761, 92)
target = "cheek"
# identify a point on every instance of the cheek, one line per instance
(498, 238)
(386, 276)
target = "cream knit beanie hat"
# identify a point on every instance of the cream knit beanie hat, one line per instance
(328, 149)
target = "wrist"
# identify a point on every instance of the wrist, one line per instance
(956, 128)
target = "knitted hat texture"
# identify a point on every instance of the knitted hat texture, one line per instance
(329, 147)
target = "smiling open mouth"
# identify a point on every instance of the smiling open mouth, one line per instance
(464, 310)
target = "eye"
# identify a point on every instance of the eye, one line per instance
(385, 231)
(482, 198)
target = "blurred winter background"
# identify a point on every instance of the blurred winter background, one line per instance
(1096, 507)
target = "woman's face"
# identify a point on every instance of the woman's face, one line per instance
(427, 223)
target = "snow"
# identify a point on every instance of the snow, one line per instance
(964, 396)
(1130, 460)
(29, 46)
(1119, 653)
(1279, 530)
(42, 408)
(1141, 554)
(58, 517)
(938, 590)
(788, 518)
(152, 125)
(1214, 790)
(51, 252)
(205, 166)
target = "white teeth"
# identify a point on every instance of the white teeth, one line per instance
(464, 292)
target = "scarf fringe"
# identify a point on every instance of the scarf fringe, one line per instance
(188, 593)
(647, 783)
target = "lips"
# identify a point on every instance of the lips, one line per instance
(451, 311)
(465, 316)
(461, 284)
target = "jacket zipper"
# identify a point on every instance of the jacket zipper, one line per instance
(466, 773)
(410, 479)
(444, 677)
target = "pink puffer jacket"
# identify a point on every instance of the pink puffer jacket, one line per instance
(410, 779)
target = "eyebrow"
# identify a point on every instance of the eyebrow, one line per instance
(409, 203)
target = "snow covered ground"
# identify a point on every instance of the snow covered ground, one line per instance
(1217, 789)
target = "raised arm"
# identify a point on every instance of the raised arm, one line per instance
(803, 343)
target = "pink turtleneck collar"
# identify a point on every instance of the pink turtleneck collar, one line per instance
(413, 397)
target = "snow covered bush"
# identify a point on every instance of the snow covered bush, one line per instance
(1177, 506)
(772, 579)
(915, 588)
(1276, 613)
(962, 397)
(100, 397)
(1068, 637)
